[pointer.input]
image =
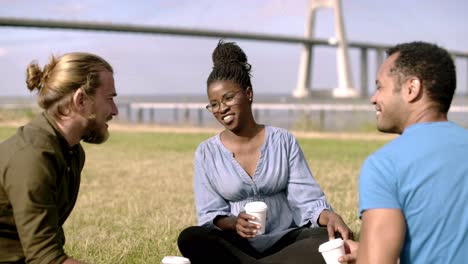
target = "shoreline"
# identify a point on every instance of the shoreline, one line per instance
(130, 127)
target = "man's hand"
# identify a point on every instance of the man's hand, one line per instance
(351, 249)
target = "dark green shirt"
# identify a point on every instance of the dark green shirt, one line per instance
(39, 183)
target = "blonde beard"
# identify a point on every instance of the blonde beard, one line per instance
(93, 133)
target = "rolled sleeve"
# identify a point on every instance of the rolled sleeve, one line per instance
(208, 202)
(305, 196)
(31, 185)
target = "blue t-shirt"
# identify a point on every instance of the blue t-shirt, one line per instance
(282, 180)
(424, 172)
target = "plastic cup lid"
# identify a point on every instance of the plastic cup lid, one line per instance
(175, 260)
(256, 206)
(330, 245)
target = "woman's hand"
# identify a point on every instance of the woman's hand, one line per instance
(244, 228)
(334, 224)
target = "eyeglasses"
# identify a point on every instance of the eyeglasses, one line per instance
(229, 99)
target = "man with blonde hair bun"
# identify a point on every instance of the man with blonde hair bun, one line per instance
(40, 165)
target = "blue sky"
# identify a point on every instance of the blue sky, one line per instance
(162, 64)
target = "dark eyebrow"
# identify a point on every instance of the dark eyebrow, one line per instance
(230, 92)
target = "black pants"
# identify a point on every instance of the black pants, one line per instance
(204, 245)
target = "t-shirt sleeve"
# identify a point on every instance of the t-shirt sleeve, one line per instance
(378, 184)
(31, 186)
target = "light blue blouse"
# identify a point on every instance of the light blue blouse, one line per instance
(282, 180)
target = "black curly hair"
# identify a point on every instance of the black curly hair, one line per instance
(432, 64)
(230, 64)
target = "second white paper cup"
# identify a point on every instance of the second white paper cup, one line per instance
(259, 210)
(332, 250)
(175, 260)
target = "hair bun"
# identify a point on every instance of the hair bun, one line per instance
(37, 78)
(34, 76)
(227, 53)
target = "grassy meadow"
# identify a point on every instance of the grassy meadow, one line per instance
(136, 191)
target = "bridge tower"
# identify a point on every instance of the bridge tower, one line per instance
(345, 84)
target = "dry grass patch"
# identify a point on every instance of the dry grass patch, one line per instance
(137, 191)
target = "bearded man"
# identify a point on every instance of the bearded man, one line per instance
(40, 165)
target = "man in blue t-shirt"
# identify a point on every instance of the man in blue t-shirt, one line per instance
(413, 192)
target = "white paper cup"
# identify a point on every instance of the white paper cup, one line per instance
(175, 260)
(259, 210)
(332, 250)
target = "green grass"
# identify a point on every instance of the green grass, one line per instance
(17, 114)
(137, 193)
(6, 132)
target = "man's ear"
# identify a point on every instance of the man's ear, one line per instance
(413, 89)
(79, 100)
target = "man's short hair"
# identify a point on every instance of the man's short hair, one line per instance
(430, 63)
